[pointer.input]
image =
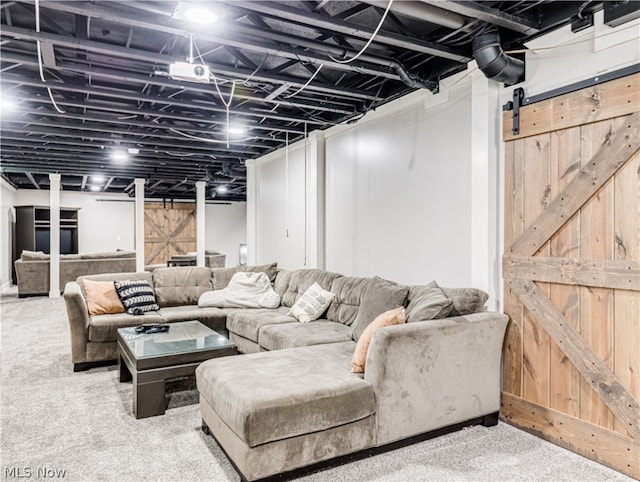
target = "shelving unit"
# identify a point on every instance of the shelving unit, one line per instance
(33, 230)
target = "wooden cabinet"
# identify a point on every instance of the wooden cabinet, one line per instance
(33, 230)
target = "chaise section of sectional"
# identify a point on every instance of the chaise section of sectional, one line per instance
(275, 411)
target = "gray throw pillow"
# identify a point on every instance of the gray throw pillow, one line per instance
(380, 296)
(465, 300)
(428, 303)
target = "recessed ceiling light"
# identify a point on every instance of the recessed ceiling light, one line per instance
(200, 14)
(95, 188)
(133, 150)
(7, 106)
(97, 178)
(119, 156)
(237, 130)
(222, 189)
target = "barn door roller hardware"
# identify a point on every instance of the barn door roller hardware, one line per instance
(514, 105)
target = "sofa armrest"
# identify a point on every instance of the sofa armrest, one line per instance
(78, 315)
(431, 374)
(32, 277)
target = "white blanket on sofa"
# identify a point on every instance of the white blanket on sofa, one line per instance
(245, 290)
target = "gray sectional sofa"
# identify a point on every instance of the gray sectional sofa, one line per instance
(32, 269)
(290, 400)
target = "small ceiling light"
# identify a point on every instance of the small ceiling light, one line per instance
(236, 130)
(95, 188)
(222, 189)
(97, 178)
(119, 156)
(200, 14)
(7, 105)
(133, 151)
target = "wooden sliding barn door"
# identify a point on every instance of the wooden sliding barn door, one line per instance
(571, 269)
(168, 229)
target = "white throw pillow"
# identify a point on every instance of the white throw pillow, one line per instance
(245, 290)
(311, 304)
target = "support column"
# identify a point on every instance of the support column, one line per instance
(315, 180)
(139, 183)
(54, 233)
(252, 208)
(200, 222)
(485, 139)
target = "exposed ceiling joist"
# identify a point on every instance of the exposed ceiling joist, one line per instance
(107, 65)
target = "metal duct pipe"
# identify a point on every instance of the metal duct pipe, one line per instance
(494, 63)
(422, 11)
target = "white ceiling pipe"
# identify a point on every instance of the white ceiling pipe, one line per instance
(423, 11)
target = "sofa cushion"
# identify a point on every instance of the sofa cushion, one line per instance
(222, 276)
(277, 398)
(290, 335)
(102, 298)
(391, 317)
(33, 255)
(427, 303)
(282, 281)
(380, 295)
(312, 304)
(345, 305)
(301, 279)
(70, 257)
(136, 296)
(214, 318)
(104, 327)
(109, 255)
(247, 323)
(465, 300)
(182, 285)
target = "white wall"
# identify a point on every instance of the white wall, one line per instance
(280, 208)
(7, 216)
(105, 221)
(226, 229)
(398, 192)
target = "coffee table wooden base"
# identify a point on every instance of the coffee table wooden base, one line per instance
(149, 385)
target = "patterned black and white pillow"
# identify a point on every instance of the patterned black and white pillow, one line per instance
(137, 297)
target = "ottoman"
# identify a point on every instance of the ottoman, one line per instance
(273, 412)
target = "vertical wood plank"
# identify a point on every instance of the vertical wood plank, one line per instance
(596, 234)
(564, 382)
(627, 302)
(513, 227)
(536, 343)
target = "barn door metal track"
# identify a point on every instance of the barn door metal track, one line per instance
(519, 99)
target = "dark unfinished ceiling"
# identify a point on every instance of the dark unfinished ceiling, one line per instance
(109, 80)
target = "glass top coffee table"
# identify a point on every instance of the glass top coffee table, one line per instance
(149, 360)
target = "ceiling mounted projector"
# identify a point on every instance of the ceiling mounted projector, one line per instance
(189, 72)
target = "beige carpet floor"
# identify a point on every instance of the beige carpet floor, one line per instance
(81, 425)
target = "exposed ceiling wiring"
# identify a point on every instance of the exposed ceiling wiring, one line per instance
(384, 16)
(213, 141)
(306, 84)
(44, 81)
(226, 103)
